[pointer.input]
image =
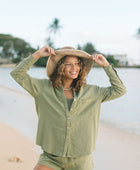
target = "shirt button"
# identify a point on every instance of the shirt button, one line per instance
(74, 99)
(68, 118)
(68, 127)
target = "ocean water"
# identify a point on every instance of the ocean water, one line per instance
(123, 112)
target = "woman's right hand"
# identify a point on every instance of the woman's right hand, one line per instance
(43, 52)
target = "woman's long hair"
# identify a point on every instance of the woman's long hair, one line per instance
(57, 77)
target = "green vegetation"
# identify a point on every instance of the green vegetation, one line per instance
(88, 47)
(53, 28)
(15, 49)
(111, 60)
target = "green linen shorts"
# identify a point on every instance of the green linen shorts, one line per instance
(66, 163)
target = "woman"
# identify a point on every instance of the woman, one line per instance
(68, 109)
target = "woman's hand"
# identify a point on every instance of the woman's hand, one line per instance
(100, 60)
(44, 52)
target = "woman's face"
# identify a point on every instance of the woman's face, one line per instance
(72, 67)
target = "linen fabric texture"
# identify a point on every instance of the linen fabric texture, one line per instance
(64, 132)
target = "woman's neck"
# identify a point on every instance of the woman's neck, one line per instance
(67, 84)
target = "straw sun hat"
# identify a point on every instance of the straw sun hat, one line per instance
(53, 59)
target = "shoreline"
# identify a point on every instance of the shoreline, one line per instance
(7, 65)
(14, 64)
(26, 94)
(115, 148)
(14, 90)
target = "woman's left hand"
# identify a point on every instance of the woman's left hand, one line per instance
(100, 60)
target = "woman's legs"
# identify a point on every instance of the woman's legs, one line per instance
(42, 167)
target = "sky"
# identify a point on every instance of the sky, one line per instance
(109, 25)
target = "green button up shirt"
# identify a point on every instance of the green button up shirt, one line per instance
(64, 132)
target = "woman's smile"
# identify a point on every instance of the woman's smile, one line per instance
(72, 67)
(73, 72)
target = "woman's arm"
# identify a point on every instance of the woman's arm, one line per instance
(19, 73)
(117, 88)
(43, 52)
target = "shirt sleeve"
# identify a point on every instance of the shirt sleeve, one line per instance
(117, 88)
(19, 73)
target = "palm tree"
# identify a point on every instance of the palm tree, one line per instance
(50, 42)
(54, 27)
(138, 33)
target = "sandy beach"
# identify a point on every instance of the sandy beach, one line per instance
(7, 65)
(14, 144)
(115, 149)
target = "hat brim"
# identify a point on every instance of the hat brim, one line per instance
(53, 59)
